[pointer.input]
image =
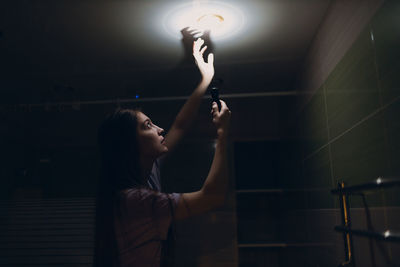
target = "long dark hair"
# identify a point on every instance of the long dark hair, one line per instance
(120, 170)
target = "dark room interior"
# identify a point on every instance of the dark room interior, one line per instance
(313, 155)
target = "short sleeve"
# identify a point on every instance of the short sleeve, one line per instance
(154, 207)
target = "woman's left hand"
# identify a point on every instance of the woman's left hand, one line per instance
(206, 68)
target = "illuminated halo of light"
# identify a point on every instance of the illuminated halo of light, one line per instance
(224, 20)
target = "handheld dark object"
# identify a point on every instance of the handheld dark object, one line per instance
(215, 97)
(215, 85)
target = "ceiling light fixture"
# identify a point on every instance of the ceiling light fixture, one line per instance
(221, 19)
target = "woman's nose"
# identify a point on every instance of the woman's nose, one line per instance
(160, 130)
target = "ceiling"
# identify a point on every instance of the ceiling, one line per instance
(100, 49)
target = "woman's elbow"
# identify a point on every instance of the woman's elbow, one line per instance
(215, 199)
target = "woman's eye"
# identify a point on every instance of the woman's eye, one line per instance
(148, 125)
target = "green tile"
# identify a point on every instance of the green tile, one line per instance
(352, 88)
(386, 30)
(312, 124)
(320, 199)
(258, 217)
(290, 165)
(392, 197)
(359, 156)
(373, 199)
(252, 257)
(392, 124)
(317, 173)
(294, 200)
(256, 164)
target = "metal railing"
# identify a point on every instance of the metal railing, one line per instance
(343, 193)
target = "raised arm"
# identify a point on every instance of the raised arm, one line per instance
(189, 110)
(214, 189)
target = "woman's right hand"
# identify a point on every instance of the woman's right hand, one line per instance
(221, 119)
(206, 68)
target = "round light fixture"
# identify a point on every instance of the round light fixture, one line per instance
(210, 22)
(222, 20)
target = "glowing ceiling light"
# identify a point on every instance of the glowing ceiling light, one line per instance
(210, 22)
(222, 20)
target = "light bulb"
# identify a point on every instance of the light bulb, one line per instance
(222, 20)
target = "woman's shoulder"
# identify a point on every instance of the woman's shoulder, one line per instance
(142, 195)
(137, 192)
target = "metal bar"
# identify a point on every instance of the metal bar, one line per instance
(374, 185)
(151, 99)
(259, 191)
(385, 236)
(347, 238)
(283, 245)
(281, 190)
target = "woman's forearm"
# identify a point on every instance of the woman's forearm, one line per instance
(188, 112)
(213, 192)
(190, 109)
(216, 184)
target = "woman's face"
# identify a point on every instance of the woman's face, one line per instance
(150, 137)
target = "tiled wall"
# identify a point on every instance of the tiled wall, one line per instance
(342, 24)
(349, 131)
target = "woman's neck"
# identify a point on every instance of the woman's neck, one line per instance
(146, 166)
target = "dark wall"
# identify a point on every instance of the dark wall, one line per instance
(348, 131)
(345, 130)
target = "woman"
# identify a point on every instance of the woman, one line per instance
(133, 217)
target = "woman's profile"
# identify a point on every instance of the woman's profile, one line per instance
(133, 216)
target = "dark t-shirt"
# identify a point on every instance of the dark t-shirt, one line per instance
(146, 215)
